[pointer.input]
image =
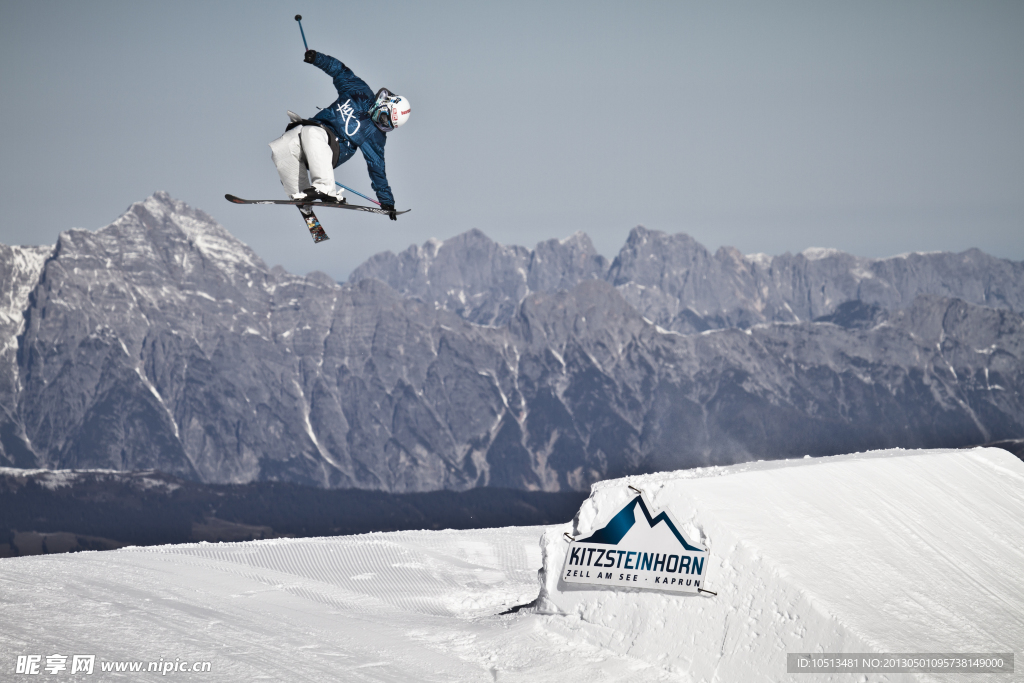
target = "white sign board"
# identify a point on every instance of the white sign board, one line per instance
(638, 549)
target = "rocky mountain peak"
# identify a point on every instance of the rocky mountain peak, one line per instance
(677, 283)
(167, 235)
(161, 342)
(481, 280)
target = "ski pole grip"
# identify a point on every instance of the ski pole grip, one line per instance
(298, 18)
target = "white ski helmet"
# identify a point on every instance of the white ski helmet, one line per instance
(389, 111)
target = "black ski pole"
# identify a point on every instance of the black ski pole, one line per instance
(298, 18)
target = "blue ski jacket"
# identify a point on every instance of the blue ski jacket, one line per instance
(349, 120)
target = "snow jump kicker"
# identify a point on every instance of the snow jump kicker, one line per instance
(638, 549)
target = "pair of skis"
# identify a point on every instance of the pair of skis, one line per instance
(306, 209)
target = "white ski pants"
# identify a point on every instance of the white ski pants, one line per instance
(302, 149)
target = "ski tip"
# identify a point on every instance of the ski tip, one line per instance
(232, 198)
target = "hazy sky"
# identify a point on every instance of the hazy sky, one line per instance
(874, 127)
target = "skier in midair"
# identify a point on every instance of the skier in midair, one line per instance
(357, 119)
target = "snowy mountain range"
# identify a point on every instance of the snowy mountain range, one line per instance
(162, 342)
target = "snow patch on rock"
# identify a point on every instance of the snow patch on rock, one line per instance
(818, 253)
(25, 264)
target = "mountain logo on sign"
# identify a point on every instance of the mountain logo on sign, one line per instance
(638, 549)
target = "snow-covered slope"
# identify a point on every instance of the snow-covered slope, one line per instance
(915, 551)
(889, 551)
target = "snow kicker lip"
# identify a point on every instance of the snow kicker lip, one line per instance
(644, 552)
(291, 202)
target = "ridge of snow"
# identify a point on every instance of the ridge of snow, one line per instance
(818, 253)
(907, 254)
(759, 258)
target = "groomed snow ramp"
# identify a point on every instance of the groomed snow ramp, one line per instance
(888, 551)
(898, 551)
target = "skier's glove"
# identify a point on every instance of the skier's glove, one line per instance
(310, 56)
(390, 208)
